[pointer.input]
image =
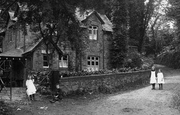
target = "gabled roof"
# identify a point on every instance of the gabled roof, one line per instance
(93, 13)
(106, 23)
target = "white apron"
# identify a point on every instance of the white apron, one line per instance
(153, 77)
(31, 89)
(160, 78)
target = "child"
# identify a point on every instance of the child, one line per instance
(58, 94)
(160, 79)
(153, 78)
(31, 89)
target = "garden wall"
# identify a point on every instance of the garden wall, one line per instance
(104, 83)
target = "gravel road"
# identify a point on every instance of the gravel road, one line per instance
(144, 101)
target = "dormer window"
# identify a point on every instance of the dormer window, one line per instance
(93, 30)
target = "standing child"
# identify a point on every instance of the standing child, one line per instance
(31, 89)
(160, 79)
(153, 78)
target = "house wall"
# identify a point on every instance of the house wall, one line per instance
(7, 44)
(99, 47)
(37, 61)
(17, 38)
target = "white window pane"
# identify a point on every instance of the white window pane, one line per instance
(90, 37)
(44, 52)
(63, 62)
(95, 37)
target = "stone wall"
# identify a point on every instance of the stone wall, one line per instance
(104, 83)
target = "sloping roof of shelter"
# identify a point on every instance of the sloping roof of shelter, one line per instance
(106, 23)
(12, 53)
(32, 46)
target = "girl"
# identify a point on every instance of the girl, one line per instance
(31, 89)
(153, 78)
(160, 79)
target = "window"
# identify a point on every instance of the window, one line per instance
(63, 61)
(93, 63)
(93, 30)
(45, 59)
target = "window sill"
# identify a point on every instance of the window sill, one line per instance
(45, 67)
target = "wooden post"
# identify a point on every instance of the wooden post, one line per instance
(11, 80)
(25, 72)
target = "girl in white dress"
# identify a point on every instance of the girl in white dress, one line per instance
(31, 89)
(160, 79)
(153, 78)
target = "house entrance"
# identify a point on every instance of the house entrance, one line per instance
(12, 70)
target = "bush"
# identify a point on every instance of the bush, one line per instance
(170, 59)
(133, 60)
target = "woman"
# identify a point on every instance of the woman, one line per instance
(160, 79)
(153, 78)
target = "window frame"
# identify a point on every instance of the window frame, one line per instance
(93, 32)
(45, 61)
(64, 63)
(93, 62)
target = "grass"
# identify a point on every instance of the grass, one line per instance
(176, 100)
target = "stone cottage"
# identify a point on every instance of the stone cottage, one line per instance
(27, 53)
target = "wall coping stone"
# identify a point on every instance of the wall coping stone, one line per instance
(98, 76)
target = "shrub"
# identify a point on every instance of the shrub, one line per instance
(170, 59)
(133, 60)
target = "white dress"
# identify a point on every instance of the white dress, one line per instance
(160, 78)
(153, 77)
(31, 89)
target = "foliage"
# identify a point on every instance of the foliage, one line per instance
(139, 17)
(154, 47)
(118, 48)
(169, 58)
(173, 12)
(5, 109)
(134, 60)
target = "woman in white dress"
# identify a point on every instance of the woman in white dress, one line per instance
(160, 79)
(153, 78)
(31, 89)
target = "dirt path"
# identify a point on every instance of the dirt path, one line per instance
(143, 101)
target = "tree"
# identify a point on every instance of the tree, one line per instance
(119, 43)
(173, 13)
(159, 32)
(140, 13)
